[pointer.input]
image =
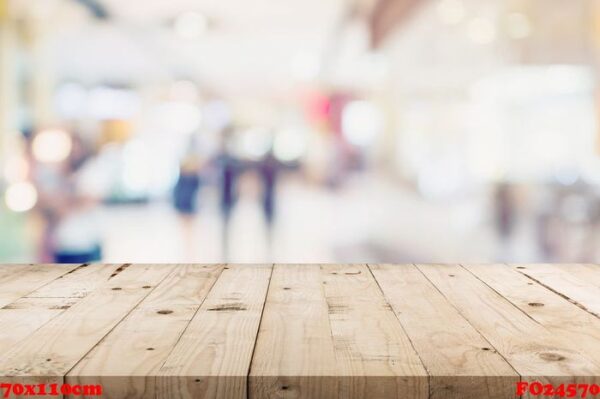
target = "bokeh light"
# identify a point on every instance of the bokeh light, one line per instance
(52, 145)
(362, 121)
(21, 197)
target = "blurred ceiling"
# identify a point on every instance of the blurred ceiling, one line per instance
(241, 46)
(261, 47)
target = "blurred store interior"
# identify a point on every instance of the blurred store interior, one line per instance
(299, 131)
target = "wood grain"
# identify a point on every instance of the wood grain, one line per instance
(17, 281)
(29, 313)
(533, 351)
(212, 358)
(559, 316)
(363, 327)
(300, 331)
(460, 361)
(51, 351)
(294, 355)
(9, 272)
(339, 339)
(581, 287)
(26, 315)
(78, 282)
(128, 358)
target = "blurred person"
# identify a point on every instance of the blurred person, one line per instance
(548, 225)
(269, 170)
(185, 194)
(187, 186)
(505, 216)
(69, 200)
(227, 167)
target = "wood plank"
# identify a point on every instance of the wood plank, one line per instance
(580, 288)
(29, 313)
(374, 355)
(294, 355)
(562, 318)
(79, 282)
(585, 271)
(8, 272)
(26, 315)
(460, 362)
(328, 332)
(19, 280)
(212, 358)
(126, 361)
(51, 351)
(531, 349)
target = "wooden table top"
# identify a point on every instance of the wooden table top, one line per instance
(300, 331)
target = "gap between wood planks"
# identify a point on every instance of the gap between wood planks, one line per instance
(551, 291)
(149, 291)
(221, 268)
(28, 294)
(573, 301)
(468, 321)
(502, 296)
(31, 295)
(262, 313)
(429, 385)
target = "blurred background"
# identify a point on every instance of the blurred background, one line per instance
(299, 131)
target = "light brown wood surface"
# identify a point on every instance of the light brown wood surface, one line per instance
(300, 331)
(459, 359)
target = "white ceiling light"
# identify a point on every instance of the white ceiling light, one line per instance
(52, 145)
(481, 31)
(191, 25)
(21, 197)
(362, 122)
(451, 12)
(519, 26)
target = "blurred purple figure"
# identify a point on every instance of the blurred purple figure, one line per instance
(227, 169)
(505, 216)
(269, 170)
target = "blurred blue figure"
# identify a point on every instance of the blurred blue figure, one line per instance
(186, 189)
(269, 171)
(185, 197)
(227, 169)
